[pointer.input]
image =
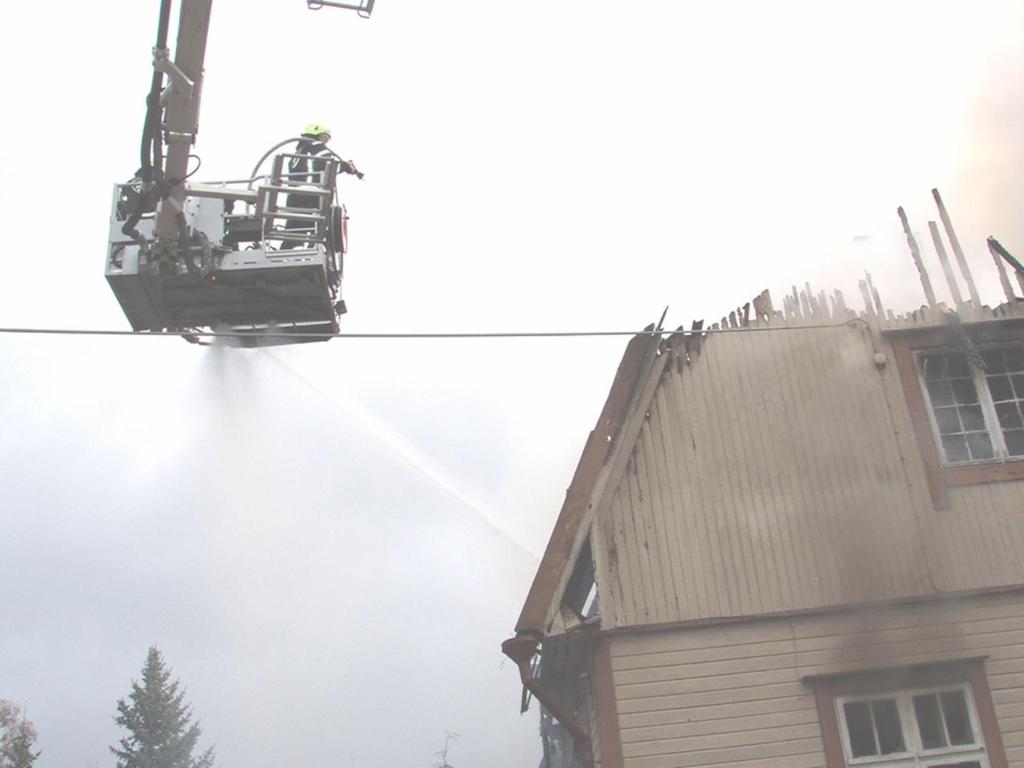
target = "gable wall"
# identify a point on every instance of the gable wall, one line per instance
(778, 471)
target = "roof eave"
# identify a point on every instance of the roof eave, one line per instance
(603, 442)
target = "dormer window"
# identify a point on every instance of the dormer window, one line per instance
(967, 405)
(975, 413)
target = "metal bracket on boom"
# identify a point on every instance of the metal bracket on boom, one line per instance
(162, 63)
(179, 137)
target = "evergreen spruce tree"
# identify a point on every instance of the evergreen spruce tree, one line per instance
(161, 733)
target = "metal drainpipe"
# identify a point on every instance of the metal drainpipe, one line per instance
(521, 649)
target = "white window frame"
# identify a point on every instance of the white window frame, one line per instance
(1000, 455)
(916, 755)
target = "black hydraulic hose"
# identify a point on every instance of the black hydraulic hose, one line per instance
(150, 153)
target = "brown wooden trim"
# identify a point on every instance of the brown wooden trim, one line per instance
(987, 717)
(609, 737)
(971, 671)
(599, 445)
(717, 621)
(941, 478)
(922, 427)
(987, 473)
(830, 738)
(903, 678)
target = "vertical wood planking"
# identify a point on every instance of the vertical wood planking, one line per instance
(712, 470)
(730, 501)
(784, 485)
(684, 592)
(698, 448)
(700, 568)
(778, 472)
(752, 390)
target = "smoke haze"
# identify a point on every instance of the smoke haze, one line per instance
(330, 542)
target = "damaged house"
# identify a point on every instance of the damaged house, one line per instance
(796, 540)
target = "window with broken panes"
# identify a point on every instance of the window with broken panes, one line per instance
(976, 414)
(937, 728)
(581, 592)
(1005, 380)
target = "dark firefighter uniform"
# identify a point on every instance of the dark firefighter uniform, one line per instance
(305, 168)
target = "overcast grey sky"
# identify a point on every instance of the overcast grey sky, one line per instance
(329, 542)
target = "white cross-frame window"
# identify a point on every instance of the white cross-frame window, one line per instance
(922, 728)
(977, 416)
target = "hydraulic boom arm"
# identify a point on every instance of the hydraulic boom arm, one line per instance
(181, 121)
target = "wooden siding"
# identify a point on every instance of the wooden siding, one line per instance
(777, 471)
(979, 540)
(735, 695)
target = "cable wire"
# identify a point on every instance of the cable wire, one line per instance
(403, 335)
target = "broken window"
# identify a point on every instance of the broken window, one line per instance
(565, 674)
(934, 727)
(581, 592)
(976, 415)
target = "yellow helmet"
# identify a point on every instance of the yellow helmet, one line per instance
(316, 129)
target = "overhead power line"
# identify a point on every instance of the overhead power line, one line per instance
(404, 335)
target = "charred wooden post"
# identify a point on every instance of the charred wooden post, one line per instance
(875, 295)
(812, 302)
(961, 260)
(840, 301)
(763, 309)
(1004, 277)
(915, 252)
(947, 268)
(866, 295)
(996, 248)
(787, 307)
(692, 341)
